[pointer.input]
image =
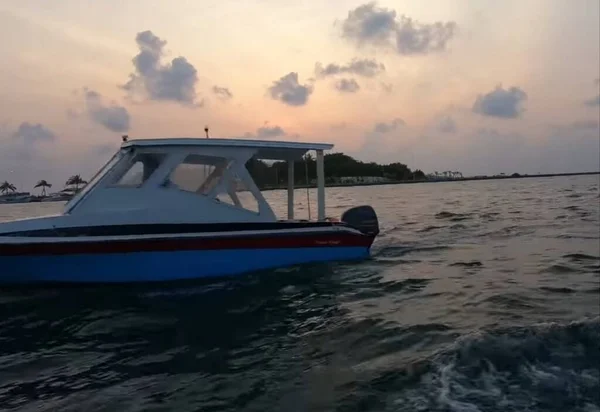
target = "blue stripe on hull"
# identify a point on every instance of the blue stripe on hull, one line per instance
(163, 266)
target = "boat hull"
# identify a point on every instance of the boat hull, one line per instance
(163, 266)
(172, 258)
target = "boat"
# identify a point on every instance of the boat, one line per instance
(15, 198)
(166, 209)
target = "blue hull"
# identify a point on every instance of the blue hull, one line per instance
(163, 266)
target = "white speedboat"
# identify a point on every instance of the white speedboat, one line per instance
(167, 209)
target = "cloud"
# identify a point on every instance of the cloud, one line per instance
(359, 67)
(576, 126)
(115, 118)
(174, 81)
(593, 102)
(446, 125)
(413, 37)
(586, 125)
(24, 154)
(387, 87)
(222, 93)
(596, 100)
(369, 24)
(388, 127)
(267, 132)
(104, 150)
(384, 142)
(33, 133)
(506, 104)
(339, 126)
(380, 27)
(289, 91)
(347, 86)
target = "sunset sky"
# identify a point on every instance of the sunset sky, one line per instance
(477, 86)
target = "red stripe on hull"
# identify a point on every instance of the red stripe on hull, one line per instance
(176, 244)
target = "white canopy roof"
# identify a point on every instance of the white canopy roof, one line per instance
(266, 149)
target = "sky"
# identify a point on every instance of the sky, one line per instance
(476, 86)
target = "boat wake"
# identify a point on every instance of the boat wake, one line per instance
(547, 367)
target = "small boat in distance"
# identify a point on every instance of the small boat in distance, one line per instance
(180, 208)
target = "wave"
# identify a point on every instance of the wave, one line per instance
(545, 367)
(471, 264)
(557, 289)
(397, 251)
(453, 217)
(430, 228)
(578, 257)
(559, 269)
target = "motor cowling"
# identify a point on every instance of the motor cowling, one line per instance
(362, 218)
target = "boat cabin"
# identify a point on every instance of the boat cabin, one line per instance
(198, 179)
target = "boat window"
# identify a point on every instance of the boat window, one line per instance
(225, 198)
(142, 167)
(246, 198)
(198, 173)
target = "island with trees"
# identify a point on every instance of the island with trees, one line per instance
(9, 193)
(340, 169)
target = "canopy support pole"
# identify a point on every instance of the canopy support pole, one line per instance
(321, 185)
(290, 189)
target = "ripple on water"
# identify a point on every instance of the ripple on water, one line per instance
(559, 269)
(377, 289)
(513, 301)
(453, 217)
(397, 251)
(430, 228)
(562, 290)
(470, 264)
(581, 257)
(507, 231)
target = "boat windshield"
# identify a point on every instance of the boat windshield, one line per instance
(97, 177)
(141, 167)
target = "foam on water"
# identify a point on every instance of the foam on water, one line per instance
(550, 367)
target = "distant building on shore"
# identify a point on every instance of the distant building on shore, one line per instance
(362, 179)
(356, 180)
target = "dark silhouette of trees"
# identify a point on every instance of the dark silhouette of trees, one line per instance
(7, 187)
(337, 165)
(43, 184)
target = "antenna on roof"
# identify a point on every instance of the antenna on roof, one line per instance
(206, 131)
(124, 137)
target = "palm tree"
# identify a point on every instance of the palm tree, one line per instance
(43, 184)
(6, 187)
(76, 181)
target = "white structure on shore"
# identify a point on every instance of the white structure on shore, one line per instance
(352, 180)
(362, 179)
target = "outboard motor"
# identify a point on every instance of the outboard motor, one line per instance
(362, 218)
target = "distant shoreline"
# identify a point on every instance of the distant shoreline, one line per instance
(460, 179)
(37, 199)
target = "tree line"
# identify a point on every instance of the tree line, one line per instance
(73, 184)
(337, 165)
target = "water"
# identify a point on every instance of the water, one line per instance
(481, 296)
